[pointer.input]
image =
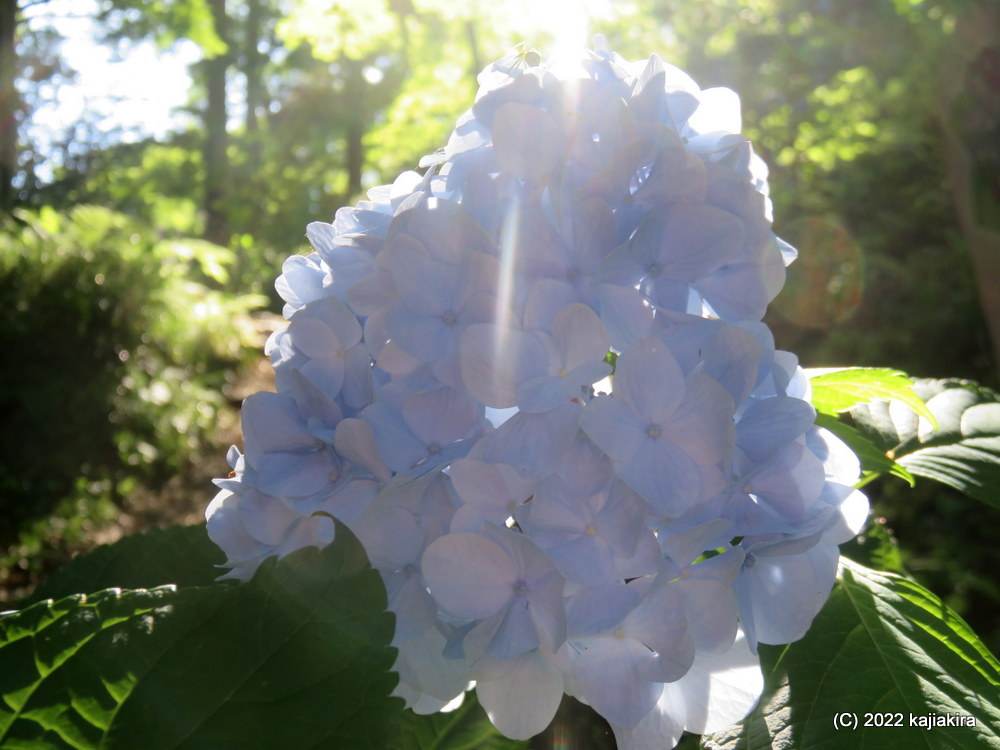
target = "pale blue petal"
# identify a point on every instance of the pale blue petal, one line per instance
(703, 423)
(495, 361)
(527, 141)
(663, 474)
(516, 633)
(547, 392)
(355, 441)
(545, 299)
(685, 546)
(839, 462)
(788, 591)
(414, 608)
(441, 416)
(296, 474)
(265, 518)
(691, 240)
(579, 336)
(649, 381)
(427, 287)
(771, 423)
(301, 281)
(593, 609)
(521, 695)
(733, 359)
(658, 729)
(426, 338)
(532, 442)
(225, 527)
(666, 292)
(852, 514)
(615, 428)
(391, 538)
(739, 291)
(607, 673)
(790, 483)
(712, 613)
(660, 623)
(469, 576)
(489, 484)
(585, 559)
(626, 316)
(399, 448)
(271, 422)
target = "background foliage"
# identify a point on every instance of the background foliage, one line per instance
(116, 357)
(129, 266)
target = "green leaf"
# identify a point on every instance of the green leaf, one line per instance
(53, 694)
(836, 391)
(886, 424)
(962, 451)
(213, 260)
(873, 461)
(298, 657)
(182, 555)
(201, 28)
(465, 728)
(883, 648)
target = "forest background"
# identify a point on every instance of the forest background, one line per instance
(136, 274)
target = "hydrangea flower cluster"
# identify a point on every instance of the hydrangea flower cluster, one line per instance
(535, 383)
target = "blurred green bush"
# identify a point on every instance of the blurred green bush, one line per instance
(116, 345)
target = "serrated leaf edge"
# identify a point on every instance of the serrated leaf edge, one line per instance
(78, 600)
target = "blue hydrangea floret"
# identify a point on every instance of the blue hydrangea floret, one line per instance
(534, 382)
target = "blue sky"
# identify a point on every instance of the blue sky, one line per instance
(139, 95)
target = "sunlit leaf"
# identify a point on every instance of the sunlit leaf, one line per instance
(839, 390)
(213, 260)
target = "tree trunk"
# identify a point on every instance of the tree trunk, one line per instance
(970, 118)
(403, 9)
(354, 91)
(473, 39)
(8, 103)
(254, 67)
(216, 137)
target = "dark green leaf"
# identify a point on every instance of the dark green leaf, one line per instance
(882, 649)
(181, 555)
(875, 547)
(972, 466)
(296, 658)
